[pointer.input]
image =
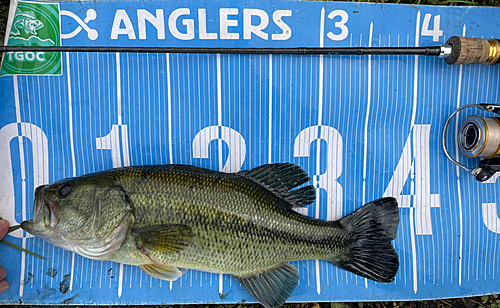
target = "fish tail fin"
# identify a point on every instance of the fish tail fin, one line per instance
(371, 229)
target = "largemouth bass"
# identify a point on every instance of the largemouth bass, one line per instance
(167, 219)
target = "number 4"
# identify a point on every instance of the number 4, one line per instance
(414, 167)
(435, 33)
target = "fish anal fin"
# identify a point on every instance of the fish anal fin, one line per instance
(169, 238)
(280, 178)
(273, 286)
(164, 272)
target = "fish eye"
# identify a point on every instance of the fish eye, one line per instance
(64, 190)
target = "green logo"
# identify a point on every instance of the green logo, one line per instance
(35, 24)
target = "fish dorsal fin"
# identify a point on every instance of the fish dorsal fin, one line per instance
(280, 178)
(271, 287)
(165, 272)
(163, 238)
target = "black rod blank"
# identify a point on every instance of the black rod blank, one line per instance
(430, 51)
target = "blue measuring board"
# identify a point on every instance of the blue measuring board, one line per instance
(363, 127)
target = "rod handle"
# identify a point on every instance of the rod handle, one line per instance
(468, 50)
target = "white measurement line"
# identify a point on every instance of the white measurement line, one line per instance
(219, 123)
(131, 276)
(415, 75)
(16, 99)
(427, 185)
(124, 144)
(485, 263)
(414, 253)
(368, 106)
(496, 202)
(219, 100)
(477, 201)
(360, 87)
(52, 267)
(412, 124)
(444, 226)
(72, 146)
(318, 144)
(458, 176)
(270, 102)
(118, 89)
(23, 176)
(404, 112)
(150, 133)
(320, 104)
(70, 111)
(37, 90)
(169, 100)
(42, 263)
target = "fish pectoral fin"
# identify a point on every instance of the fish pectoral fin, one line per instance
(163, 238)
(280, 179)
(273, 286)
(165, 272)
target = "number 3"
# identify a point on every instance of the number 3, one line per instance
(339, 24)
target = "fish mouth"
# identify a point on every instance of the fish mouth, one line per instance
(41, 201)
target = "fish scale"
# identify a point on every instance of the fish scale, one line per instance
(221, 229)
(167, 219)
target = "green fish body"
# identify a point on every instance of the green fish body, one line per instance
(167, 219)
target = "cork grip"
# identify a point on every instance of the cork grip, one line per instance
(467, 50)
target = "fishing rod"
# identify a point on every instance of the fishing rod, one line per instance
(457, 50)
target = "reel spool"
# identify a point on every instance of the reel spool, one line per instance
(478, 137)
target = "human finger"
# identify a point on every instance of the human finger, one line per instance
(4, 286)
(3, 273)
(4, 227)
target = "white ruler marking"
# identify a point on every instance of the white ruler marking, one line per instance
(119, 111)
(368, 107)
(458, 177)
(169, 100)
(415, 75)
(320, 118)
(23, 176)
(118, 89)
(72, 146)
(412, 124)
(219, 123)
(270, 102)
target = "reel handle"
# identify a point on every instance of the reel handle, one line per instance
(489, 168)
(490, 107)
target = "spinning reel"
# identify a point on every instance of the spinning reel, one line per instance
(478, 137)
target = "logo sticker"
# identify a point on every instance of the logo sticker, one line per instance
(35, 24)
